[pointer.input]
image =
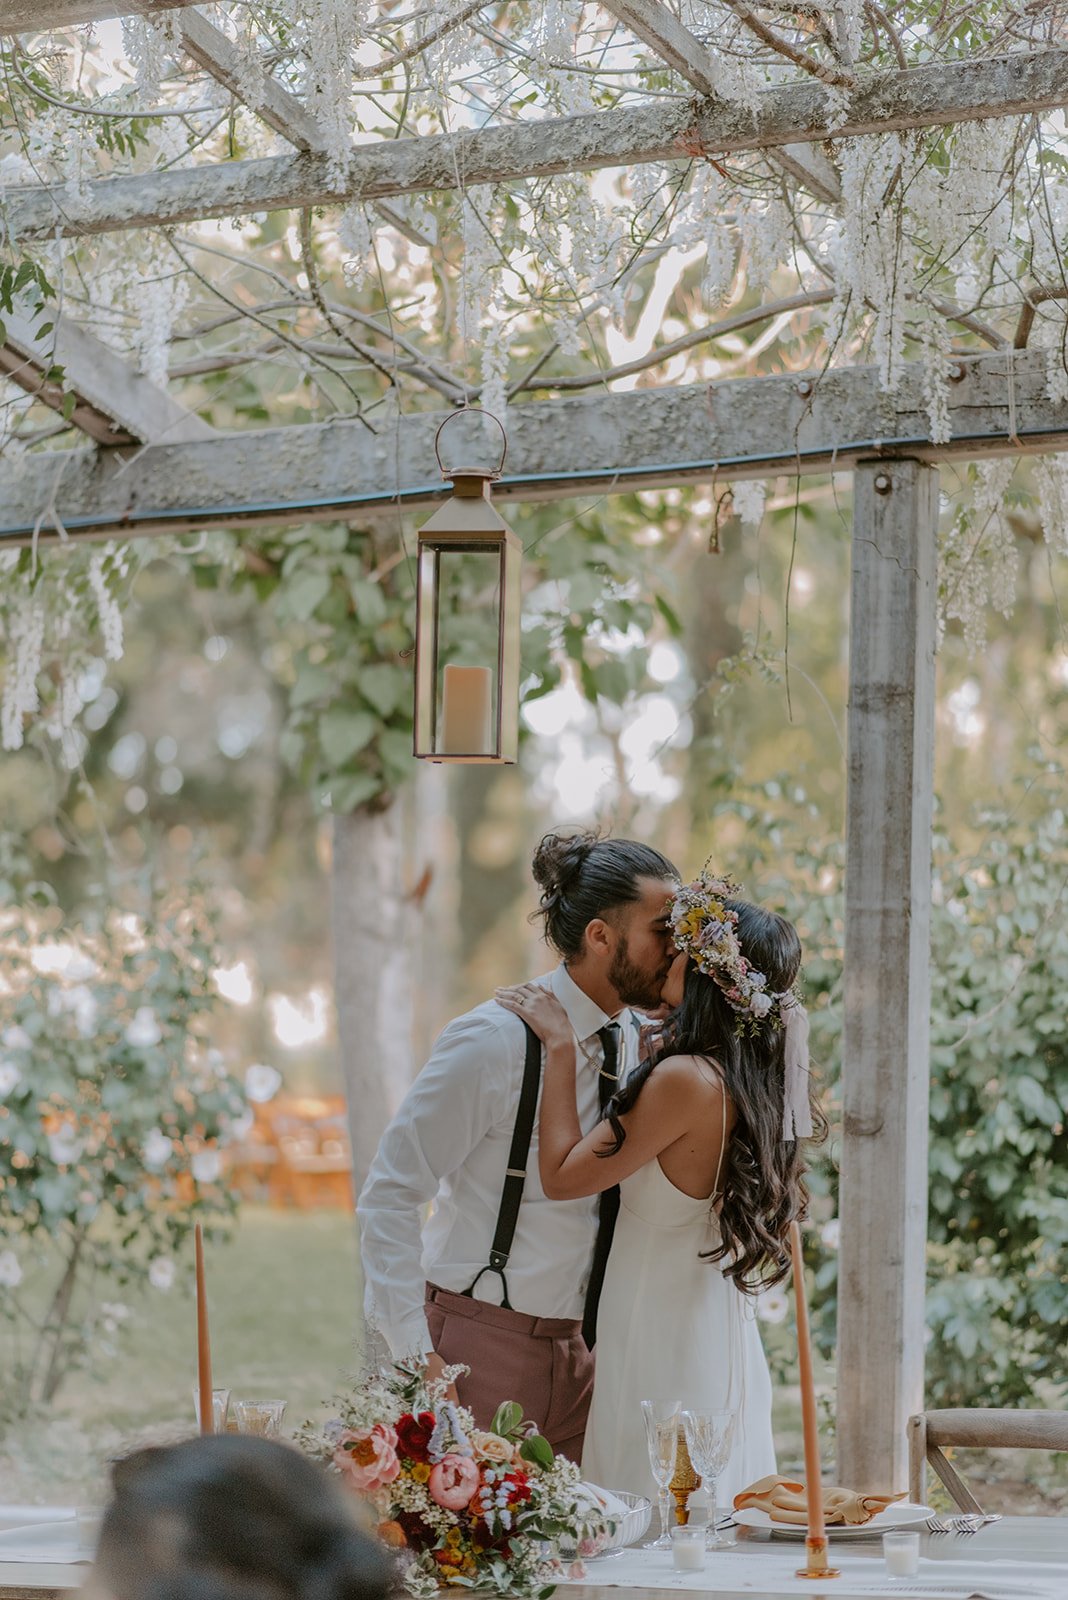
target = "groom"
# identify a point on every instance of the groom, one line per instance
(499, 1277)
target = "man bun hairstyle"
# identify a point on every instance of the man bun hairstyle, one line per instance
(583, 876)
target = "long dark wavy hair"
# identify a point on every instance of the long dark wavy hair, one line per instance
(761, 1186)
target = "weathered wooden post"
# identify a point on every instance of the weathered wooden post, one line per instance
(883, 1197)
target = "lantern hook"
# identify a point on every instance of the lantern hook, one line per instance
(467, 411)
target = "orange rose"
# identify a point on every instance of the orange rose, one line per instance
(392, 1533)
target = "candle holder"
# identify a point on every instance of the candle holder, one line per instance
(467, 629)
(816, 1564)
(684, 1482)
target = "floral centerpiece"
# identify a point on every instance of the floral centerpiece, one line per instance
(493, 1509)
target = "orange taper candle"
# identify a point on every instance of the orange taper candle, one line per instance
(813, 1479)
(207, 1418)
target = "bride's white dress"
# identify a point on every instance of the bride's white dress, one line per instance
(670, 1326)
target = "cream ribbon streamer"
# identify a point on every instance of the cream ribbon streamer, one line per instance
(796, 1111)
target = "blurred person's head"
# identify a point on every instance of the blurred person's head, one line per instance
(232, 1517)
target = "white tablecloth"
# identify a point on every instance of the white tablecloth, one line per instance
(23, 1516)
(771, 1569)
(67, 1541)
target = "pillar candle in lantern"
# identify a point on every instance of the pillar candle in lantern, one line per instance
(466, 703)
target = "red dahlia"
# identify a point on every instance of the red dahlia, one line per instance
(413, 1435)
(419, 1536)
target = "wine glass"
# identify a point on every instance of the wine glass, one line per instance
(661, 1419)
(709, 1436)
(262, 1417)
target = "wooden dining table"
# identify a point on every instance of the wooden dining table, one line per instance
(1021, 1544)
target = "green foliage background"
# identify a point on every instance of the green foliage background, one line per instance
(111, 1089)
(997, 1305)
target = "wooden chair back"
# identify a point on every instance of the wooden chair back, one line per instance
(975, 1430)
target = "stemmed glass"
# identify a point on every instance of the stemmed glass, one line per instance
(661, 1419)
(709, 1436)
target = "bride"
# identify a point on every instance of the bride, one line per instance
(703, 1141)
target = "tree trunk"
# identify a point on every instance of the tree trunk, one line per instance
(490, 810)
(714, 584)
(56, 1321)
(372, 974)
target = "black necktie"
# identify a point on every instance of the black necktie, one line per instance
(608, 1205)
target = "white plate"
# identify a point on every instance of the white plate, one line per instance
(904, 1515)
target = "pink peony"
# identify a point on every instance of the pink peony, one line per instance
(453, 1482)
(369, 1460)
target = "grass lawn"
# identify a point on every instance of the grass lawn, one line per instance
(283, 1296)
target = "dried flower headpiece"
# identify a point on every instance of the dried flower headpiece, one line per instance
(706, 928)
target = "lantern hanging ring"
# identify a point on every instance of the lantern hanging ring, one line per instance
(469, 411)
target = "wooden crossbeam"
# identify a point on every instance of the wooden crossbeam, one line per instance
(602, 443)
(40, 16)
(282, 111)
(113, 404)
(794, 114)
(667, 37)
(656, 26)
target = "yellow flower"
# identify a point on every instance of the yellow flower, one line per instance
(453, 1536)
(420, 1472)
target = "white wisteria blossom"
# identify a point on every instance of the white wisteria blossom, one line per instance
(895, 249)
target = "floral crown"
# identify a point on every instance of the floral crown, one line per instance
(705, 927)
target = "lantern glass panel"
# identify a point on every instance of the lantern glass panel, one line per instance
(467, 686)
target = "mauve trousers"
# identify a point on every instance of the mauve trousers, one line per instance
(540, 1362)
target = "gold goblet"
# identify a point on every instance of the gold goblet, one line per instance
(684, 1481)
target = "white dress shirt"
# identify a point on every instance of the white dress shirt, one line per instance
(449, 1143)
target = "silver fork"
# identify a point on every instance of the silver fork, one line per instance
(936, 1525)
(972, 1521)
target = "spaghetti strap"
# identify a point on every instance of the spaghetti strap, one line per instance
(722, 1139)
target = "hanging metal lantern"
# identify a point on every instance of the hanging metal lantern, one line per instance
(467, 623)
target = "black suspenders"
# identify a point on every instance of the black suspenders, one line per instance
(515, 1177)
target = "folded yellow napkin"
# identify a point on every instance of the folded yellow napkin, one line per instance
(784, 1501)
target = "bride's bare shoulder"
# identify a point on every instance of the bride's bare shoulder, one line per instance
(701, 1073)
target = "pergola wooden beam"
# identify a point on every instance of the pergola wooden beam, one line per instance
(656, 26)
(284, 112)
(667, 37)
(928, 96)
(887, 970)
(39, 16)
(602, 443)
(114, 404)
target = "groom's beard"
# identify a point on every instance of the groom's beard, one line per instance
(635, 986)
